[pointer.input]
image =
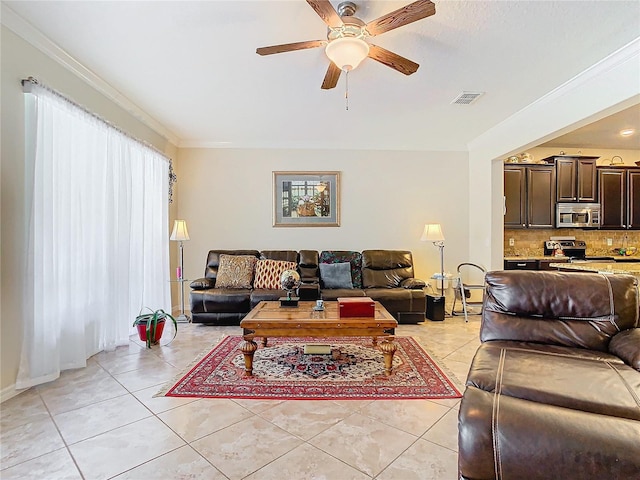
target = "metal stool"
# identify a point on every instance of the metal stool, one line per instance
(463, 289)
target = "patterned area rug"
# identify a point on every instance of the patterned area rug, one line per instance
(353, 370)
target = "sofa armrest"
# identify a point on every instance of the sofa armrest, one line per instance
(626, 345)
(413, 283)
(202, 283)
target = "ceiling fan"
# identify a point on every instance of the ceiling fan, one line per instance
(345, 44)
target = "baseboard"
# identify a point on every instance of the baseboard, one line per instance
(9, 392)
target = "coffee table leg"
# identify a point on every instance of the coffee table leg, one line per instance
(248, 348)
(388, 348)
(264, 341)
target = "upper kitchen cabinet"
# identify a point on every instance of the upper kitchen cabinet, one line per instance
(530, 193)
(575, 178)
(619, 198)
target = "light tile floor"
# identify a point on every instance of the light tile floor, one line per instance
(102, 422)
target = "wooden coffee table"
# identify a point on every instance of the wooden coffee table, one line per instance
(269, 319)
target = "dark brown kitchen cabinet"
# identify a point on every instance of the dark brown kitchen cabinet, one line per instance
(524, 264)
(576, 179)
(532, 264)
(619, 198)
(514, 197)
(529, 196)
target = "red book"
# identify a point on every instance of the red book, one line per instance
(356, 307)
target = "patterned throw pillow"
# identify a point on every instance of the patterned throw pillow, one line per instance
(268, 273)
(235, 271)
(340, 256)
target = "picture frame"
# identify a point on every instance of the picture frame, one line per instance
(306, 199)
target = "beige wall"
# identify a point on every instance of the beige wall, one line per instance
(386, 198)
(21, 60)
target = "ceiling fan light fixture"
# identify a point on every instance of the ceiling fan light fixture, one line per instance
(347, 52)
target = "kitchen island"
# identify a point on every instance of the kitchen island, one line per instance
(630, 268)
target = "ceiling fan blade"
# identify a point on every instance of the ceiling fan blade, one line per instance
(326, 12)
(393, 60)
(331, 77)
(403, 16)
(290, 47)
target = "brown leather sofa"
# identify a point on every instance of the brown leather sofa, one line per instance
(386, 276)
(553, 391)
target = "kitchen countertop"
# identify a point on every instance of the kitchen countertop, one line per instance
(536, 257)
(617, 258)
(630, 268)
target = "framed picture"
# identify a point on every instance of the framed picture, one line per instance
(306, 199)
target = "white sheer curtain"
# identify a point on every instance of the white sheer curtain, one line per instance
(98, 244)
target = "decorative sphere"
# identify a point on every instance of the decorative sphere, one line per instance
(290, 280)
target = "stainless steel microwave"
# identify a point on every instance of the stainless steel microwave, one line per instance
(578, 215)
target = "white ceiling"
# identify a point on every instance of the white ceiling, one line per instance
(192, 66)
(604, 133)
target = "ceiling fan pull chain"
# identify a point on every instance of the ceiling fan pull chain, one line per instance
(346, 92)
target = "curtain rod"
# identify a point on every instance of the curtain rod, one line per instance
(27, 87)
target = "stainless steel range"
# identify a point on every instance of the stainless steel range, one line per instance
(576, 250)
(570, 247)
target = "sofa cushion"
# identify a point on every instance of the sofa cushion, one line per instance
(511, 438)
(386, 268)
(267, 295)
(341, 256)
(235, 271)
(336, 275)
(626, 345)
(571, 309)
(268, 273)
(397, 300)
(308, 266)
(221, 300)
(603, 387)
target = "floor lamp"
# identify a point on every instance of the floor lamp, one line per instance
(433, 233)
(180, 234)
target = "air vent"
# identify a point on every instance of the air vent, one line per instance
(466, 98)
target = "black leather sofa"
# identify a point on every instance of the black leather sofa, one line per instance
(386, 276)
(553, 391)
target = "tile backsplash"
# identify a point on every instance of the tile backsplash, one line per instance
(529, 241)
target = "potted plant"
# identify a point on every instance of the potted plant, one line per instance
(150, 326)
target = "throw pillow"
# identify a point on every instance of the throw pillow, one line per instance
(342, 256)
(268, 273)
(235, 271)
(336, 275)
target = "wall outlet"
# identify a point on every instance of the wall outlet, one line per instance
(609, 242)
(512, 242)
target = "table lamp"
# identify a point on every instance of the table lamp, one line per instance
(180, 234)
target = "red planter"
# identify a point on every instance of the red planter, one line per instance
(142, 331)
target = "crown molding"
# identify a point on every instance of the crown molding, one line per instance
(32, 35)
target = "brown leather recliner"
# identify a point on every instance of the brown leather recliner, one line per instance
(553, 391)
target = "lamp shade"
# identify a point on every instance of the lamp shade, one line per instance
(180, 232)
(347, 52)
(432, 233)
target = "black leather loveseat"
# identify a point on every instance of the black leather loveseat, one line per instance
(386, 276)
(553, 391)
